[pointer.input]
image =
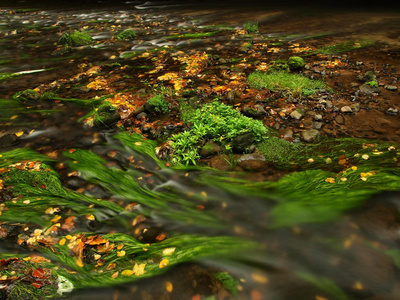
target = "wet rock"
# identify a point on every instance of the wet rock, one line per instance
(297, 114)
(339, 119)
(318, 117)
(209, 149)
(346, 109)
(221, 162)
(286, 132)
(310, 135)
(317, 125)
(392, 111)
(355, 107)
(254, 162)
(392, 88)
(253, 111)
(367, 76)
(8, 140)
(141, 115)
(231, 95)
(241, 143)
(366, 89)
(106, 116)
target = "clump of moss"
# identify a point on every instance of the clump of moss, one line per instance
(126, 35)
(27, 95)
(251, 27)
(294, 84)
(75, 39)
(372, 84)
(157, 104)
(295, 63)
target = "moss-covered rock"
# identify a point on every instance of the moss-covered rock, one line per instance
(27, 95)
(105, 116)
(126, 35)
(295, 63)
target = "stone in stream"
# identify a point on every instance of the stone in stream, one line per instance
(339, 119)
(254, 162)
(242, 143)
(310, 135)
(254, 111)
(392, 111)
(366, 89)
(297, 114)
(209, 149)
(392, 88)
(8, 140)
(346, 109)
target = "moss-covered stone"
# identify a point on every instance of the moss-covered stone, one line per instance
(295, 63)
(126, 35)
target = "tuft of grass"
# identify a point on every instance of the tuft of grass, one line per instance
(126, 35)
(294, 84)
(75, 39)
(157, 104)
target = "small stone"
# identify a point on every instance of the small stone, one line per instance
(8, 140)
(297, 114)
(339, 119)
(392, 111)
(366, 89)
(242, 142)
(392, 88)
(318, 117)
(346, 109)
(231, 95)
(286, 132)
(317, 125)
(310, 135)
(355, 107)
(209, 149)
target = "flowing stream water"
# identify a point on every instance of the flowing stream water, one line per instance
(294, 237)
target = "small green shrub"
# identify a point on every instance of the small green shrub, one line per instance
(251, 27)
(213, 121)
(75, 39)
(294, 84)
(157, 104)
(126, 35)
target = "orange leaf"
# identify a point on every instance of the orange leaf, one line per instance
(37, 284)
(38, 273)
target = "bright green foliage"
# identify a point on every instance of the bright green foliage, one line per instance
(294, 84)
(295, 63)
(251, 27)
(75, 39)
(197, 35)
(213, 121)
(372, 84)
(126, 35)
(157, 104)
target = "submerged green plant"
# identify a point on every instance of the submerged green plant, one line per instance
(294, 84)
(75, 39)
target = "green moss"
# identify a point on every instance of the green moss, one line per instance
(229, 283)
(294, 84)
(126, 35)
(191, 35)
(75, 39)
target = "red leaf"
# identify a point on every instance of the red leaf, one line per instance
(37, 284)
(38, 273)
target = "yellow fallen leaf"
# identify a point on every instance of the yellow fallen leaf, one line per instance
(62, 242)
(79, 263)
(163, 263)
(121, 253)
(260, 278)
(168, 251)
(358, 286)
(115, 275)
(127, 272)
(19, 133)
(169, 287)
(138, 269)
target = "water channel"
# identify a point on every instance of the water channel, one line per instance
(90, 212)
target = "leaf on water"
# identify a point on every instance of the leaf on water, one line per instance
(163, 263)
(169, 287)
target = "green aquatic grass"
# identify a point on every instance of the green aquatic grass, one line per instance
(196, 35)
(290, 83)
(75, 39)
(344, 47)
(126, 35)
